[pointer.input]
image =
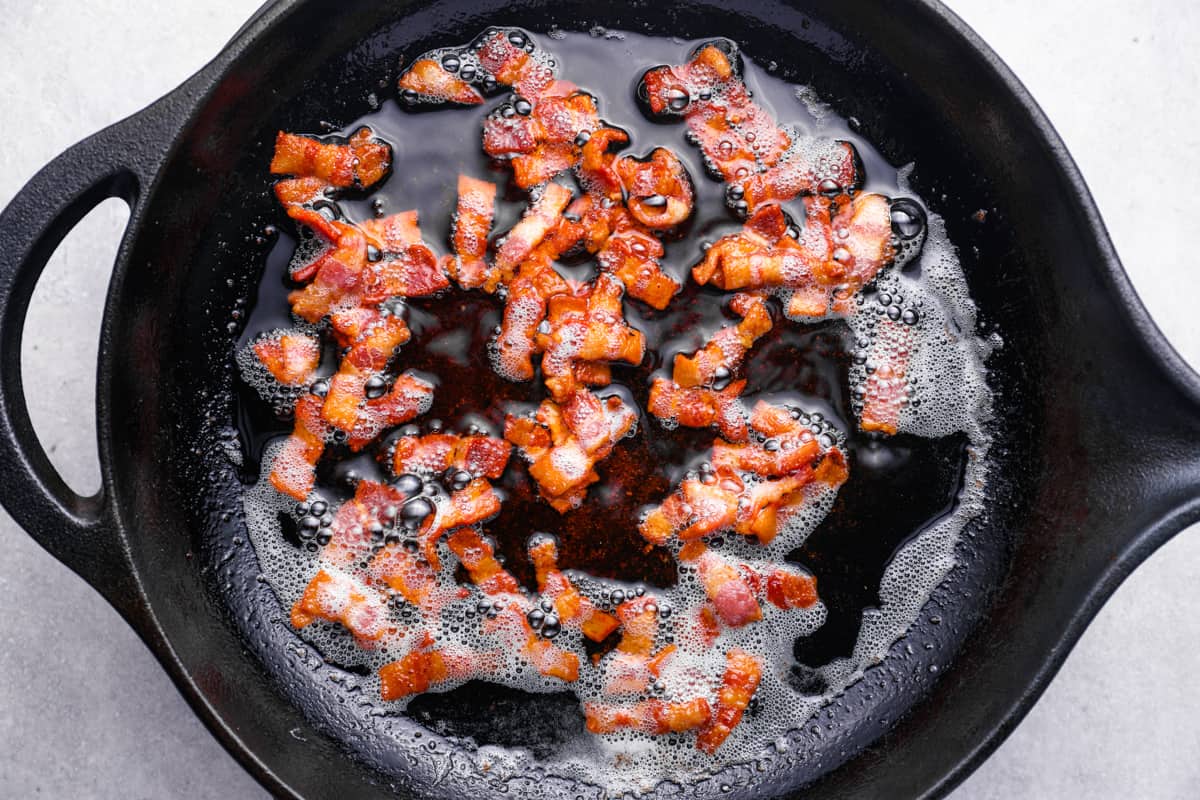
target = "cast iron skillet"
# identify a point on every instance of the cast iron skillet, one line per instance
(1094, 463)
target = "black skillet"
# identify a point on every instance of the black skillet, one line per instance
(1093, 467)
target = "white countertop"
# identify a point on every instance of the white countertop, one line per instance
(85, 710)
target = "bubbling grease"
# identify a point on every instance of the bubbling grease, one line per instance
(924, 297)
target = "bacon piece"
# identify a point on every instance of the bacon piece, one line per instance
(529, 292)
(337, 597)
(569, 604)
(632, 253)
(472, 222)
(696, 509)
(294, 471)
(740, 140)
(727, 349)
(586, 326)
(372, 338)
(543, 142)
(407, 574)
(350, 539)
(887, 387)
(649, 716)
(474, 503)
(407, 266)
(409, 397)
(844, 244)
(431, 82)
(564, 443)
(360, 163)
(700, 407)
(788, 587)
(732, 596)
(336, 272)
(742, 675)
(511, 621)
(479, 455)
(628, 667)
(597, 164)
(479, 560)
(658, 189)
(419, 669)
(512, 65)
(539, 221)
(290, 357)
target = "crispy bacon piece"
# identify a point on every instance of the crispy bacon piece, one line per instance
(419, 669)
(727, 349)
(649, 716)
(597, 165)
(407, 267)
(739, 139)
(472, 222)
(742, 675)
(788, 587)
(474, 503)
(569, 604)
(529, 293)
(372, 338)
(658, 190)
(337, 597)
(887, 387)
(407, 574)
(689, 397)
(479, 455)
(786, 460)
(632, 254)
(294, 470)
(513, 65)
(290, 357)
(547, 141)
(336, 273)
(431, 82)
(729, 590)
(586, 326)
(564, 443)
(512, 624)
(317, 166)
(539, 221)
(350, 534)
(409, 397)
(633, 664)
(479, 560)
(844, 244)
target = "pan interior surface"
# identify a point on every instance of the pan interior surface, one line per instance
(182, 325)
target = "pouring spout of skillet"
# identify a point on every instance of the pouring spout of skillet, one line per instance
(1093, 462)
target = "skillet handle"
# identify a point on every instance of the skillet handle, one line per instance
(79, 531)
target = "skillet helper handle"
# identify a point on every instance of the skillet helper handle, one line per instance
(79, 531)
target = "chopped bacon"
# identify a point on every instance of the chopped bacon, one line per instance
(788, 587)
(784, 462)
(405, 573)
(742, 674)
(479, 455)
(597, 165)
(569, 604)
(415, 673)
(539, 221)
(479, 560)
(844, 244)
(336, 272)
(294, 471)
(740, 140)
(564, 443)
(338, 597)
(409, 397)
(700, 407)
(290, 357)
(632, 254)
(689, 397)
(372, 338)
(887, 386)
(474, 503)
(529, 292)
(658, 189)
(513, 66)
(649, 716)
(316, 165)
(548, 659)
(472, 222)
(350, 534)
(585, 327)
(631, 666)
(407, 267)
(732, 595)
(432, 82)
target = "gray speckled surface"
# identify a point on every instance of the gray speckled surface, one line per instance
(85, 711)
